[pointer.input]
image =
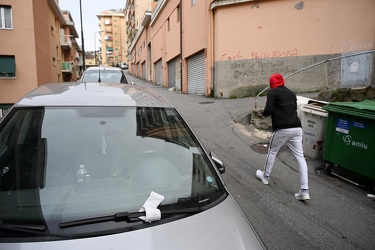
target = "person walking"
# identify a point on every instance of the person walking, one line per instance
(281, 104)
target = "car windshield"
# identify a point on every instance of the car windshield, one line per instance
(106, 76)
(85, 162)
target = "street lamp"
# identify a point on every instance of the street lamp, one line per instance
(100, 31)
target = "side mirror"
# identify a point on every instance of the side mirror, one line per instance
(218, 163)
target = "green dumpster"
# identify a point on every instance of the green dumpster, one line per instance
(350, 138)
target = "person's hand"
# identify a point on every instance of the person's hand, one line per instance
(260, 112)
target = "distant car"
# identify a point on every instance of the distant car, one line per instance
(124, 66)
(104, 74)
(111, 166)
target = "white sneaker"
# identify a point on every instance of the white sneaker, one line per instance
(302, 195)
(260, 175)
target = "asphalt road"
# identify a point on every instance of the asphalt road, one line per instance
(339, 214)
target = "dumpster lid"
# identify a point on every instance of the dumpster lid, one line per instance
(314, 109)
(364, 109)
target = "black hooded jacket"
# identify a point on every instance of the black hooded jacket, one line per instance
(281, 105)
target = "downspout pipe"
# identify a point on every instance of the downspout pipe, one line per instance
(181, 76)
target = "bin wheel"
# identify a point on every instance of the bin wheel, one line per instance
(328, 169)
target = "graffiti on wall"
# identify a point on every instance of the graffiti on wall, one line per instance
(274, 54)
(347, 46)
(261, 55)
(257, 68)
(225, 56)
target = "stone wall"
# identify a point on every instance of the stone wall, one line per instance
(315, 73)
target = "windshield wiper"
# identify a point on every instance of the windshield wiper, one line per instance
(125, 216)
(33, 227)
(30, 228)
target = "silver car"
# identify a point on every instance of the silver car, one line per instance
(104, 74)
(111, 166)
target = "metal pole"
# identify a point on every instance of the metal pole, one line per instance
(83, 43)
(181, 58)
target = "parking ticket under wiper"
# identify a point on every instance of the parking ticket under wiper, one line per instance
(125, 216)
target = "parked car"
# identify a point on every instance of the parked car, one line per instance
(104, 74)
(124, 66)
(111, 166)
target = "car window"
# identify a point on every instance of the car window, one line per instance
(106, 76)
(126, 153)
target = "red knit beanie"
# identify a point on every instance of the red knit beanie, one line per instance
(276, 80)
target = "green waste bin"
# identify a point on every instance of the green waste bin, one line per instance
(350, 138)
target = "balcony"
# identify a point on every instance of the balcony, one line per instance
(66, 42)
(66, 67)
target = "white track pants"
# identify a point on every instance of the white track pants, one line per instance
(293, 138)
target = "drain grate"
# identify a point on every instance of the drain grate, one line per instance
(209, 102)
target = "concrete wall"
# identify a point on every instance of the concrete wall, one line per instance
(265, 37)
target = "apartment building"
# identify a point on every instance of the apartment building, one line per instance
(113, 39)
(37, 45)
(70, 50)
(134, 11)
(215, 48)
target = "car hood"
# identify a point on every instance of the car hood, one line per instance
(221, 227)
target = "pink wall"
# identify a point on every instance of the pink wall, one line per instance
(263, 29)
(20, 42)
(263, 37)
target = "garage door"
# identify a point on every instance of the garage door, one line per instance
(196, 74)
(172, 76)
(158, 74)
(144, 70)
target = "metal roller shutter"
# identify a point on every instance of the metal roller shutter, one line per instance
(196, 74)
(144, 70)
(158, 73)
(172, 66)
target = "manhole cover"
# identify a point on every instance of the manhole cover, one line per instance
(210, 102)
(261, 148)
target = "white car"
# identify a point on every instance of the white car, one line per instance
(124, 66)
(104, 74)
(111, 166)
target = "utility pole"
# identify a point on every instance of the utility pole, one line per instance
(83, 43)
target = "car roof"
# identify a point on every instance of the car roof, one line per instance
(93, 94)
(103, 68)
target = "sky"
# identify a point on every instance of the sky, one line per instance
(90, 8)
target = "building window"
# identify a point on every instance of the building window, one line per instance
(7, 66)
(6, 17)
(168, 24)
